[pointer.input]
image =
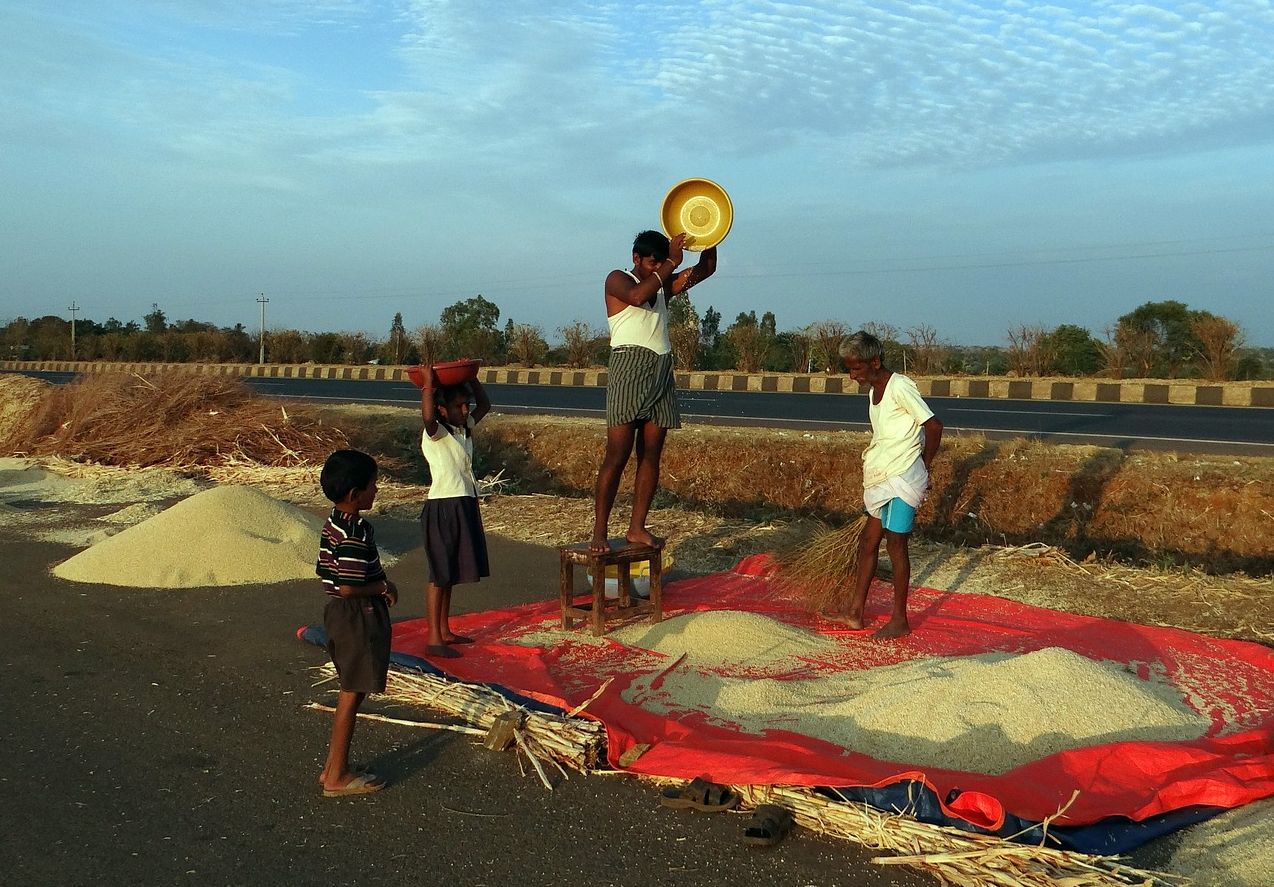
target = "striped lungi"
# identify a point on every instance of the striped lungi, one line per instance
(640, 386)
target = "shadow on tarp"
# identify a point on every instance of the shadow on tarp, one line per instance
(1130, 792)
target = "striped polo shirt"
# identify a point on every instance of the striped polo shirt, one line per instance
(347, 553)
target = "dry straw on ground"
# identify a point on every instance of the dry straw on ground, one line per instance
(1213, 512)
(544, 738)
(169, 419)
(954, 857)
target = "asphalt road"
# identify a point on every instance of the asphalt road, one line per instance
(1144, 426)
(156, 737)
(1223, 430)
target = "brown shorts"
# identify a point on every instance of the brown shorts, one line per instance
(358, 636)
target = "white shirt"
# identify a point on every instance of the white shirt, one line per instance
(642, 325)
(897, 439)
(450, 458)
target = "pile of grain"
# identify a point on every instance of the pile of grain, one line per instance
(728, 639)
(1235, 848)
(222, 536)
(982, 714)
(49, 481)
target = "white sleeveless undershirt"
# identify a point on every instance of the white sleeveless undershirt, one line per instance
(642, 325)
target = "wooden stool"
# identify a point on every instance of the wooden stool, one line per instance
(622, 554)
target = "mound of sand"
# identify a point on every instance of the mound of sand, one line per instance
(727, 639)
(981, 714)
(222, 536)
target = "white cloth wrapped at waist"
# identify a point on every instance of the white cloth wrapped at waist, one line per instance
(910, 486)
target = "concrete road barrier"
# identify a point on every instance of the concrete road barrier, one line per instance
(1156, 391)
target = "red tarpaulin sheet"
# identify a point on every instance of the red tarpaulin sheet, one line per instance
(1231, 682)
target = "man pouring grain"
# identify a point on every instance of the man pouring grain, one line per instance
(641, 395)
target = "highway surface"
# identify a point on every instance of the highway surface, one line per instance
(1196, 429)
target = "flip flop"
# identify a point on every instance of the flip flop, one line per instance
(699, 794)
(362, 784)
(768, 825)
(460, 639)
(355, 769)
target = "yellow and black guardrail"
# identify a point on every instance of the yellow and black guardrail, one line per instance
(1188, 392)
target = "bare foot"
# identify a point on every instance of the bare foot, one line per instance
(644, 537)
(599, 545)
(894, 628)
(442, 651)
(854, 622)
(456, 639)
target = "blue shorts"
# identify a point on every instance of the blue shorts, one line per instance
(897, 516)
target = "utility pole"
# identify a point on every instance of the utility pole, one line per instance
(263, 300)
(73, 309)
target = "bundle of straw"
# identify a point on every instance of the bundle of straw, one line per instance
(823, 569)
(557, 739)
(963, 859)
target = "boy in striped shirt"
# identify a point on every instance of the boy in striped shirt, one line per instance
(356, 617)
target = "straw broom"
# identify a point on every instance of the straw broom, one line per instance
(823, 569)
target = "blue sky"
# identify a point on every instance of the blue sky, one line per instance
(970, 166)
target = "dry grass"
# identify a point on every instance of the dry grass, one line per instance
(954, 857)
(721, 487)
(174, 420)
(1210, 512)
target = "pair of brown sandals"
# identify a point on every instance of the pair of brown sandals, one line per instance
(768, 825)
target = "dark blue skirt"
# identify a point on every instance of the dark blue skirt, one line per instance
(455, 543)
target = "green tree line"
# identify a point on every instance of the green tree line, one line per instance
(1164, 339)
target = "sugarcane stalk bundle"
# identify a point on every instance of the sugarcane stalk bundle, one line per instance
(560, 739)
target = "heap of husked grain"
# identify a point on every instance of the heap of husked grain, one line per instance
(727, 639)
(222, 536)
(982, 714)
(1235, 848)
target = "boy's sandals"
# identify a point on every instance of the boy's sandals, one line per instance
(699, 794)
(361, 784)
(768, 825)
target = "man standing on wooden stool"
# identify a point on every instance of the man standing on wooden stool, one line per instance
(641, 393)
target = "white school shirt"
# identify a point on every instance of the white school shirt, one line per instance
(450, 458)
(897, 439)
(641, 325)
